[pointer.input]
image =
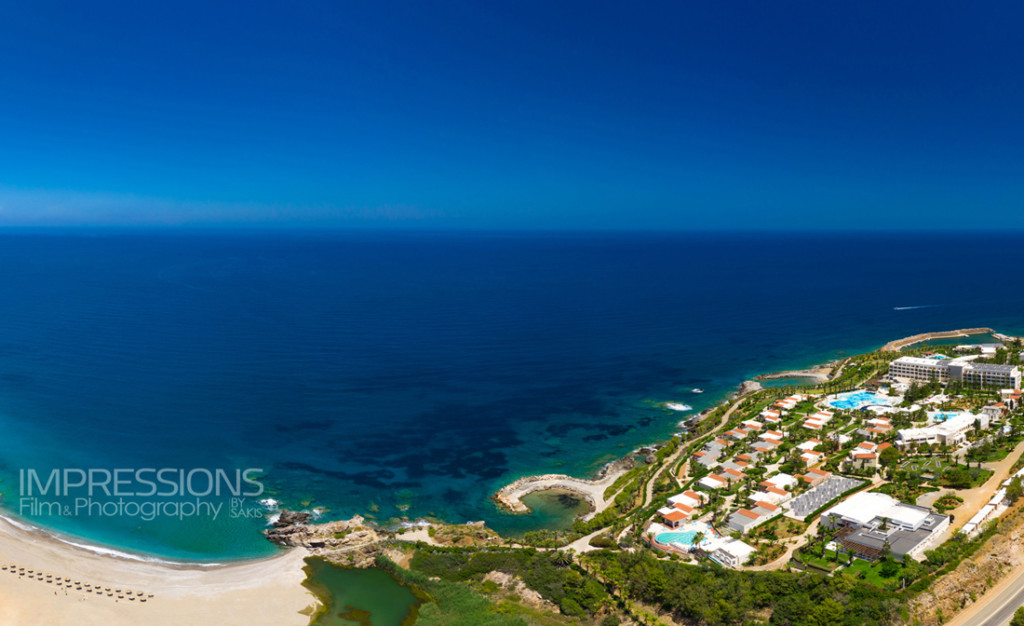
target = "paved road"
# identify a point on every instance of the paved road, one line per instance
(996, 608)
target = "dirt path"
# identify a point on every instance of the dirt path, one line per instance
(783, 560)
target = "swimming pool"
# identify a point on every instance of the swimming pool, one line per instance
(684, 537)
(942, 417)
(859, 399)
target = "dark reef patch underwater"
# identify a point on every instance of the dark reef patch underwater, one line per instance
(415, 373)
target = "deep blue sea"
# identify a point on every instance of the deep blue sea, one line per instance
(366, 371)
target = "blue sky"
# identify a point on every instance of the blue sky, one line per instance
(513, 115)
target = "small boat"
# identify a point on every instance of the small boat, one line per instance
(697, 390)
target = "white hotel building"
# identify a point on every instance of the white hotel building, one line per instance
(951, 432)
(957, 370)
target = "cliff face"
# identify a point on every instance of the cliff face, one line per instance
(966, 585)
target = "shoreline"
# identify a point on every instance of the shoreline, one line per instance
(899, 344)
(105, 550)
(507, 497)
(820, 373)
(251, 591)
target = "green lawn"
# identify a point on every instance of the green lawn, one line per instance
(811, 557)
(933, 464)
(870, 571)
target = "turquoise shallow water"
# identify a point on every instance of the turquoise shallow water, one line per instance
(413, 374)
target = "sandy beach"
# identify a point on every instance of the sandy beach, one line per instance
(266, 591)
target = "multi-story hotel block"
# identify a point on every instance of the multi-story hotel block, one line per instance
(957, 370)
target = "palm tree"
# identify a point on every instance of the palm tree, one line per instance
(562, 558)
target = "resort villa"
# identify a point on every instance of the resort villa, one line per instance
(744, 520)
(775, 436)
(713, 481)
(771, 494)
(815, 476)
(869, 521)
(681, 507)
(865, 455)
(1010, 397)
(780, 480)
(811, 457)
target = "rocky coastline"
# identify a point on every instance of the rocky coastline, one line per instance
(899, 344)
(352, 542)
(510, 496)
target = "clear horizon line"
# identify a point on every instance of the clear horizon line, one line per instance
(421, 228)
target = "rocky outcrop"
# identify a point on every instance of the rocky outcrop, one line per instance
(748, 386)
(350, 542)
(509, 496)
(471, 534)
(290, 518)
(516, 586)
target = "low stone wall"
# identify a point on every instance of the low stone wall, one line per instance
(899, 344)
(510, 496)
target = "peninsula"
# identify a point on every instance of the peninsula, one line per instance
(889, 478)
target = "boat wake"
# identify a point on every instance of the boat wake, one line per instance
(677, 406)
(911, 308)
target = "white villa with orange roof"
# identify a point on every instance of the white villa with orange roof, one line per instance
(713, 481)
(689, 497)
(810, 457)
(815, 476)
(772, 435)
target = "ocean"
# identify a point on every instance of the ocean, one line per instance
(414, 373)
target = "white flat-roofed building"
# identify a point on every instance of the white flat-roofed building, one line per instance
(870, 509)
(985, 374)
(731, 552)
(918, 368)
(951, 432)
(957, 370)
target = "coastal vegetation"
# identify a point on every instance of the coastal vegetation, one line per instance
(712, 595)
(600, 570)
